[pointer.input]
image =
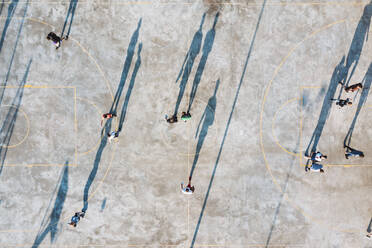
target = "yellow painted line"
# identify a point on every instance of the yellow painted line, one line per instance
(273, 126)
(267, 90)
(106, 173)
(348, 165)
(76, 127)
(38, 165)
(99, 115)
(110, 91)
(344, 165)
(27, 130)
(15, 230)
(163, 245)
(250, 245)
(98, 67)
(81, 47)
(37, 87)
(246, 4)
(301, 124)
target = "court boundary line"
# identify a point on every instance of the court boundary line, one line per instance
(75, 155)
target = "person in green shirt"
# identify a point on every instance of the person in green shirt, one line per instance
(185, 116)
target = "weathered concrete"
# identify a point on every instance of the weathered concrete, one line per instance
(275, 62)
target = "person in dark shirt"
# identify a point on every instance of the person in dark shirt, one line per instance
(350, 152)
(55, 38)
(343, 102)
(353, 87)
(172, 119)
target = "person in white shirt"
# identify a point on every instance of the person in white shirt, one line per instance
(188, 189)
(315, 167)
(112, 135)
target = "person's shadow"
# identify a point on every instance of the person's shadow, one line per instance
(362, 100)
(369, 228)
(207, 48)
(71, 11)
(11, 10)
(188, 64)
(208, 117)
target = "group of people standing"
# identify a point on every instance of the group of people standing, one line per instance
(315, 158)
(347, 101)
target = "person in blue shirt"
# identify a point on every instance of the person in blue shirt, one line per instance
(76, 218)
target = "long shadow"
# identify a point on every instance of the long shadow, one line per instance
(326, 107)
(130, 88)
(71, 11)
(369, 228)
(2, 90)
(126, 67)
(189, 62)
(7, 127)
(207, 48)
(363, 98)
(50, 224)
(208, 117)
(1, 7)
(227, 126)
(289, 172)
(360, 36)
(107, 127)
(11, 9)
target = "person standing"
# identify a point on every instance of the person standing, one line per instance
(112, 135)
(316, 156)
(76, 218)
(185, 116)
(353, 87)
(55, 38)
(172, 119)
(107, 116)
(342, 102)
(350, 152)
(188, 190)
(315, 167)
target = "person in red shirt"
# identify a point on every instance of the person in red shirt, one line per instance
(107, 116)
(188, 190)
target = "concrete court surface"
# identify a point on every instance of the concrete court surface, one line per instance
(257, 75)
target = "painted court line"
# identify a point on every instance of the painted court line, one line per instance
(301, 122)
(30, 86)
(185, 3)
(268, 167)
